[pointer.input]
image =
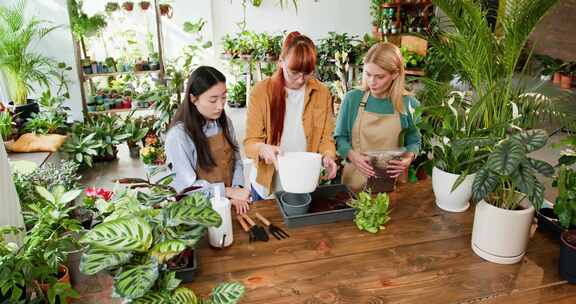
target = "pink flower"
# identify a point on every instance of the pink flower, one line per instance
(94, 192)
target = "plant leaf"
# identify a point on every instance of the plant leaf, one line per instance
(167, 250)
(97, 259)
(184, 296)
(537, 195)
(69, 196)
(506, 157)
(227, 293)
(153, 298)
(184, 213)
(541, 167)
(136, 281)
(459, 180)
(484, 183)
(532, 140)
(122, 234)
(524, 179)
(45, 194)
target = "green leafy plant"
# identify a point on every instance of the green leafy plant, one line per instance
(165, 105)
(412, 59)
(135, 129)
(45, 123)
(84, 26)
(136, 240)
(509, 175)
(22, 66)
(109, 132)
(549, 65)
(6, 125)
(81, 148)
(191, 53)
(372, 213)
(565, 206)
(237, 94)
(44, 247)
(63, 173)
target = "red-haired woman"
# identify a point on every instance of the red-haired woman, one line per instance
(289, 112)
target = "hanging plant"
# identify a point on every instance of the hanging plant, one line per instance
(144, 5)
(111, 7)
(256, 3)
(166, 10)
(128, 6)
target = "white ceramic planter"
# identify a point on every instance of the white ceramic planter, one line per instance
(501, 235)
(299, 171)
(457, 200)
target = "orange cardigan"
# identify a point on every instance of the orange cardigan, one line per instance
(317, 119)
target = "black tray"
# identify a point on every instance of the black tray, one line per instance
(327, 206)
(188, 274)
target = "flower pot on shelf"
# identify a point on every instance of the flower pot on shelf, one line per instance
(556, 78)
(112, 7)
(134, 150)
(446, 199)
(144, 5)
(500, 235)
(128, 6)
(565, 81)
(166, 10)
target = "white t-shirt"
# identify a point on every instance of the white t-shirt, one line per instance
(293, 136)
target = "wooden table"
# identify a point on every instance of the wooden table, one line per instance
(423, 256)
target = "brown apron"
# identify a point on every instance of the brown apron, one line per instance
(371, 132)
(223, 156)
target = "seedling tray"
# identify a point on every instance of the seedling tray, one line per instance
(328, 206)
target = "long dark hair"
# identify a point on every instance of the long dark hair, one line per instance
(201, 80)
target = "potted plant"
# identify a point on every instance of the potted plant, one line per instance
(137, 132)
(81, 147)
(6, 125)
(36, 265)
(246, 46)
(128, 6)
(372, 213)
(508, 193)
(229, 46)
(112, 6)
(21, 65)
(144, 5)
(566, 72)
(138, 242)
(549, 66)
(237, 95)
(166, 10)
(110, 133)
(111, 64)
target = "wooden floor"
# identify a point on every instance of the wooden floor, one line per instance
(423, 256)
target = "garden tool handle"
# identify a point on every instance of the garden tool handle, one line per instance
(243, 223)
(263, 219)
(248, 220)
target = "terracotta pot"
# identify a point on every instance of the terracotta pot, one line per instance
(128, 6)
(166, 10)
(144, 5)
(556, 78)
(65, 278)
(565, 81)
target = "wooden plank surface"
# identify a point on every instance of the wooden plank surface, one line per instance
(423, 256)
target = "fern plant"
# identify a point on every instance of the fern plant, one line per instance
(139, 236)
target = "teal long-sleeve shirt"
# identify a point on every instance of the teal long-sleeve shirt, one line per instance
(349, 111)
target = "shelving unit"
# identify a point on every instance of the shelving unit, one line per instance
(86, 79)
(407, 6)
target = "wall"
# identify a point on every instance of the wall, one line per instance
(555, 34)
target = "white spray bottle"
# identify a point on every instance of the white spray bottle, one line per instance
(222, 236)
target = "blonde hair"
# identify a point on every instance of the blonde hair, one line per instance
(389, 58)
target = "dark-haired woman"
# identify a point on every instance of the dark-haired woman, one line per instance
(200, 145)
(289, 112)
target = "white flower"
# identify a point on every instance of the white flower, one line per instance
(515, 113)
(445, 140)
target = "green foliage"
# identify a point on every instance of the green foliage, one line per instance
(137, 237)
(44, 247)
(135, 128)
(81, 148)
(509, 175)
(109, 132)
(45, 123)
(237, 94)
(82, 25)
(549, 65)
(21, 65)
(565, 206)
(412, 59)
(227, 293)
(6, 125)
(372, 213)
(190, 57)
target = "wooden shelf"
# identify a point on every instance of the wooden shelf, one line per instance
(117, 110)
(86, 76)
(415, 72)
(404, 3)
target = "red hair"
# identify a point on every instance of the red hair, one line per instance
(300, 52)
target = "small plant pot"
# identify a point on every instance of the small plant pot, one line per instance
(295, 203)
(565, 81)
(187, 272)
(128, 6)
(112, 7)
(134, 151)
(64, 277)
(144, 5)
(91, 108)
(166, 10)
(556, 78)
(246, 57)
(567, 261)
(87, 69)
(446, 199)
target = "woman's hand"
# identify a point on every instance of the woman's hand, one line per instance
(239, 198)
(269, 153)
(240, 206)
(361, 162)
(330, 166)
(398, 166)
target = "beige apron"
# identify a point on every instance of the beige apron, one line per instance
(223, 156)
(371, 132)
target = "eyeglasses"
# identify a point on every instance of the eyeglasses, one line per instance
(296, 75)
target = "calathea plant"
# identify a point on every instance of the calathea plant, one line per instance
(508, 174)
(136, 240)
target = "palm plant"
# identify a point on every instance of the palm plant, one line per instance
(487, 60)
(22, 66)
(6, 124)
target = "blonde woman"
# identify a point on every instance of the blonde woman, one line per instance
(376, 117)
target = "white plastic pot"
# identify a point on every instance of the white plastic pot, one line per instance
(501, 235)
(457, 200)
(299, 171)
